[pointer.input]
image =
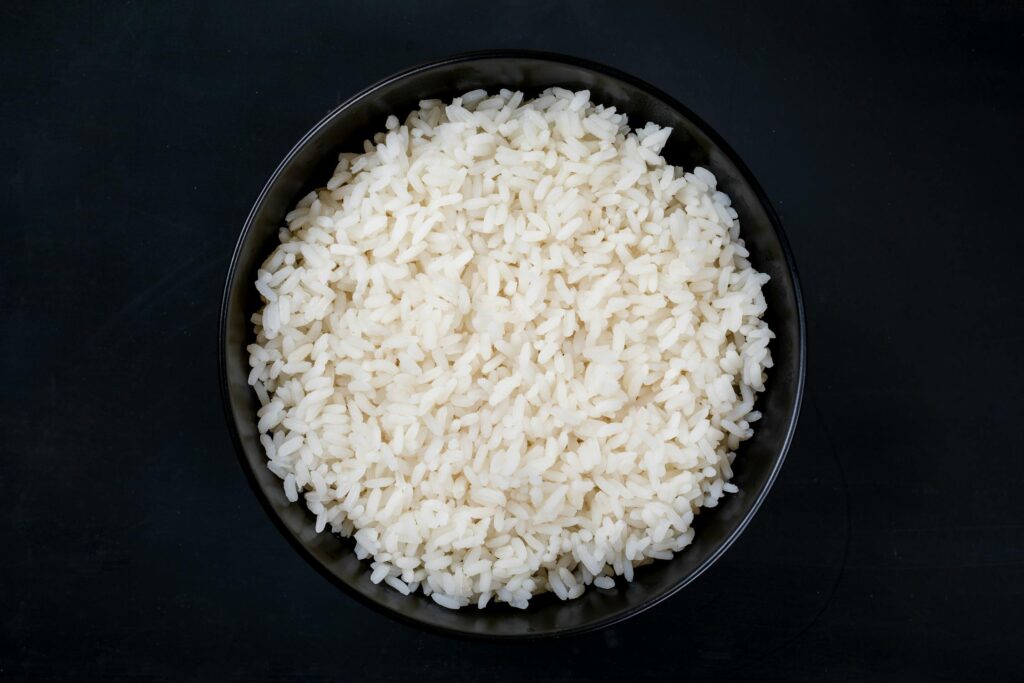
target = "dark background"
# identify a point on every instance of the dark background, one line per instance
(135, 137)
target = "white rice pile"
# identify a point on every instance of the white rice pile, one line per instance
(509, 348)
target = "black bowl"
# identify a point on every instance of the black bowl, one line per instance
(310, 164)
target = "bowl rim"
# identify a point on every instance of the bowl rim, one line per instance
(727, 150)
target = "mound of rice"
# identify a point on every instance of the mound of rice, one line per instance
(509, 348)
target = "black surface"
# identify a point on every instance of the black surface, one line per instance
(312, 161)
(135, 138)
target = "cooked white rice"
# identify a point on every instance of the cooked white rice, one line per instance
(509, 349)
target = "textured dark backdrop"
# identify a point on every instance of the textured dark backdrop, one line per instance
(136, 136)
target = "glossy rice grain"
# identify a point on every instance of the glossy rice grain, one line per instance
(509, 349)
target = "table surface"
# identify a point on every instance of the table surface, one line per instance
(137, 135)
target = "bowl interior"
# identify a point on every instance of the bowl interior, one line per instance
(310, 165)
